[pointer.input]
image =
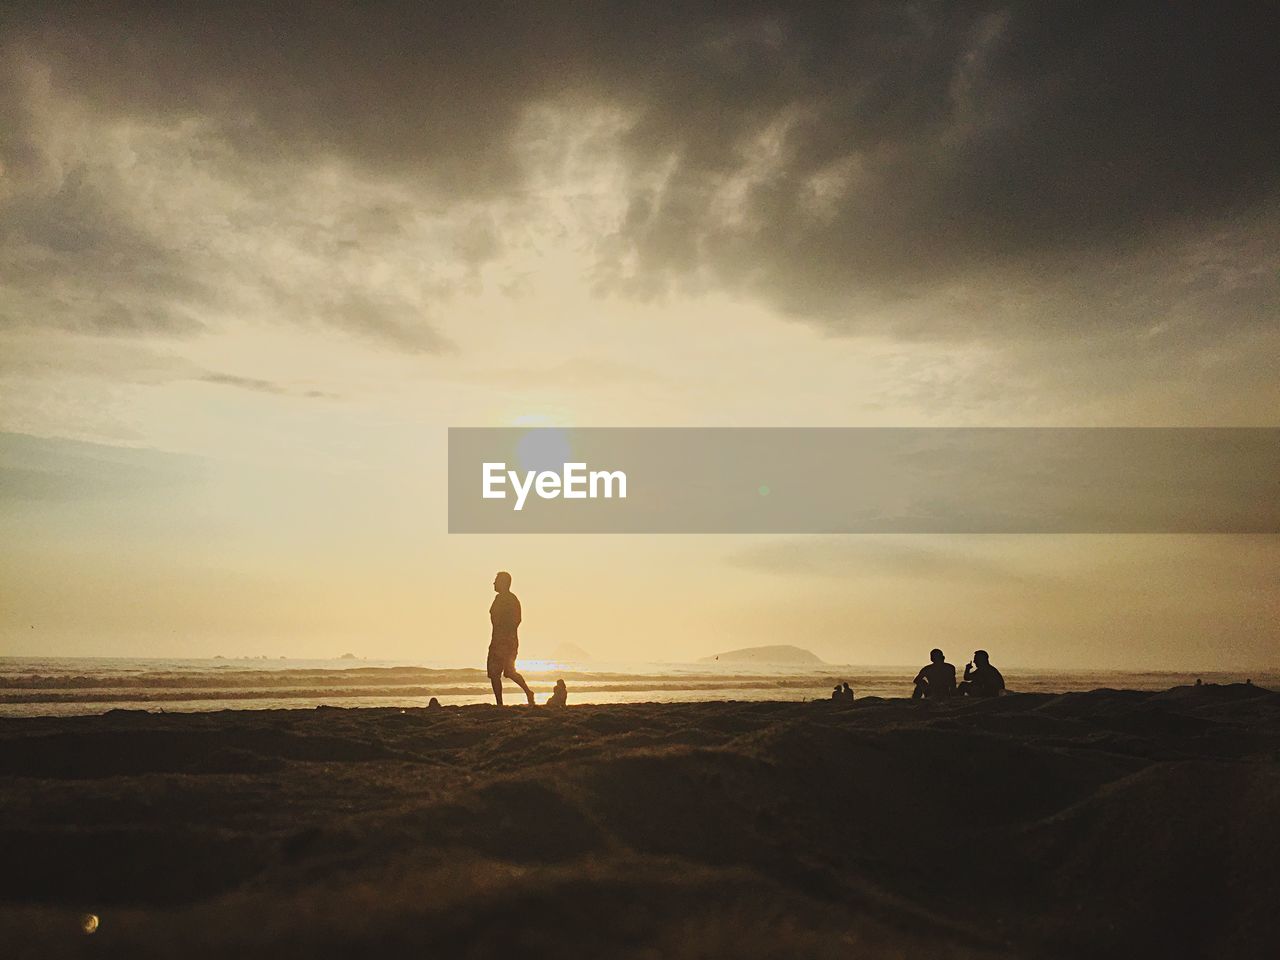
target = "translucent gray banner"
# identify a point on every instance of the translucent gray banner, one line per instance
(864, 480)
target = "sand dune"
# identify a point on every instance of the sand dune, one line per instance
(1104, 824)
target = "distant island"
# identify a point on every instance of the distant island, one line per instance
(781, 654)
(348, 656)
(570, 651)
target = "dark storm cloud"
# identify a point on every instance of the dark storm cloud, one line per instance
(1031, 150)
(70, 260)
(840, 159)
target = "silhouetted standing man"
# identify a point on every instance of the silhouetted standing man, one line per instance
(504, 643)
(937, 680)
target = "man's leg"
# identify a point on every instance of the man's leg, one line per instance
(494, 669)
(519, 681)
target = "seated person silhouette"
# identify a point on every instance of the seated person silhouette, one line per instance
(981, 679)
(937, 681)
(559, 696)
(846, 692)
(837, 694)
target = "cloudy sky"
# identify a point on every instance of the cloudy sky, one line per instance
(255, 259)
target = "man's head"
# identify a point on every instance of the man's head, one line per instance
(936, 655)
(981, 657)
(502, 582)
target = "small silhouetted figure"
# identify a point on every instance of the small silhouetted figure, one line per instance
(1199, 682)
(936, 681)
(504, 643)
(836, 693)
(846, 692)
(981, 679)
(559, 696)
(433, 704)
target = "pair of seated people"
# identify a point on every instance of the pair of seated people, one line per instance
(938, 680)
(842, 693)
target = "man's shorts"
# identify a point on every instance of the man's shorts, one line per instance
(502, 659)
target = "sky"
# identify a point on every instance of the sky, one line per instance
(256, 259)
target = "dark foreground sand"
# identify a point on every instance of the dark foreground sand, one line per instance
(1104, 824)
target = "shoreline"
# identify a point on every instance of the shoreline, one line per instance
(66, 688)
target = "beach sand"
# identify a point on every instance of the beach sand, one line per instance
(1102, 824)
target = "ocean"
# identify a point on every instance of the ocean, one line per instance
(49, 686)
